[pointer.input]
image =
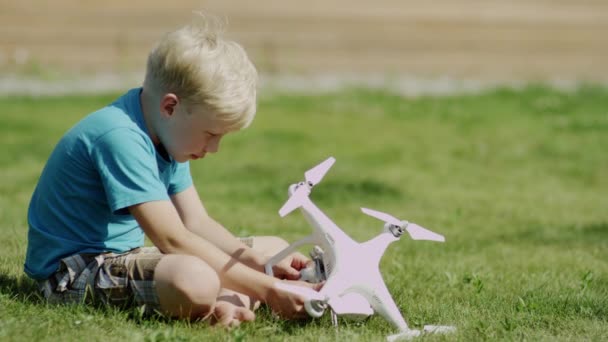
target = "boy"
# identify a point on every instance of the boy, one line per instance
(124, 171)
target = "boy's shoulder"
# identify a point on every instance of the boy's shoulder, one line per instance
(124, 113)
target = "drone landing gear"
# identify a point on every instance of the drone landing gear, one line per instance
(315, 308)
(358, 307)
(428, 329)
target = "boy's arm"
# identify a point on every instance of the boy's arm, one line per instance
(195, 218)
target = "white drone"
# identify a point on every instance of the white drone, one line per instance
(353, 286)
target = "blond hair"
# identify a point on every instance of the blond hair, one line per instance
(205, 70)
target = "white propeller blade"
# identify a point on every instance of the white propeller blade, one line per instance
(306, 292)
(315, 174)
(419, 233)
(415, 231)
(294, 201)
(312, 176)
(382, 216)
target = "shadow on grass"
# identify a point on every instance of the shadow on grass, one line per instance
(20, 288)
(291, 327)
(25, 290)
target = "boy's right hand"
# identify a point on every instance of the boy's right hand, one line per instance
(289, 305)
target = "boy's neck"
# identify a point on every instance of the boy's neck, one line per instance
(148, 109)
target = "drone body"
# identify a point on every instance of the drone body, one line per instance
(352, 268)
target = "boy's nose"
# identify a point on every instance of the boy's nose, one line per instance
(213, 146)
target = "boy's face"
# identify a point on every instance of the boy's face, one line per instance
(189, 133)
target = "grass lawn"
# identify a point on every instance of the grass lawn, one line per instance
(517, 181)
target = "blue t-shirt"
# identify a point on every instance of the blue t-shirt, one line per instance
(104, 164)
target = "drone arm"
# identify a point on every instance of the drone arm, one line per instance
(375, 248)
(375, 289)
(324, 225)
(285, 252)
(383, 303)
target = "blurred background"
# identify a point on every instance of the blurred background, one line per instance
(486, 41)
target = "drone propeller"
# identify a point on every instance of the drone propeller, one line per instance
(316, 174)
(313, 177)
(294, 201)
(419, 233)
(415, 231)
(382, 216)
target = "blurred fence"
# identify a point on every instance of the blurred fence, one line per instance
(480, 39)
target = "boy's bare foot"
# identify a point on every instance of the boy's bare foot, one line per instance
(229, 315)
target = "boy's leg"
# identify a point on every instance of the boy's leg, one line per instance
(198, 294)
(268, 245)
(189, 288)
(230, 309)
(186, 286)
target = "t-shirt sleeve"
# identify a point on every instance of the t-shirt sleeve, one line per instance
(181, 178)
(128, 169)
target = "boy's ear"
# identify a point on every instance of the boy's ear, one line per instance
(168, 104)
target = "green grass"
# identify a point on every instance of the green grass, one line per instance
(517, 181)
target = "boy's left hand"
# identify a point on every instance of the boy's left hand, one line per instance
(289, 268)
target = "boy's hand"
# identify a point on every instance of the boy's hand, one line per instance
(289, 268)
(287, 304)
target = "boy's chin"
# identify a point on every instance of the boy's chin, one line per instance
(187, 157)
(195, 157)
(182, 159)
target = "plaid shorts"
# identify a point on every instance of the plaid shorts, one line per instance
(118, 279)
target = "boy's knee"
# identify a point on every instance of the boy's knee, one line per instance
(269, 245)
(199, 282)
(277, 243)
(191, 287)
